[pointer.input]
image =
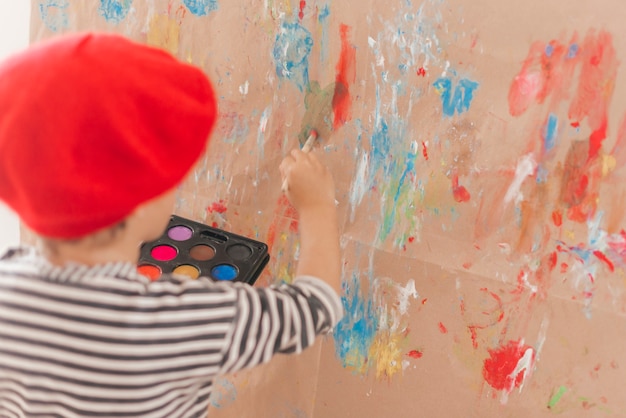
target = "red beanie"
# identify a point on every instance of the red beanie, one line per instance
(93, 125)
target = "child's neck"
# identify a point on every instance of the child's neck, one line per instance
(71, 254)
(112, 245)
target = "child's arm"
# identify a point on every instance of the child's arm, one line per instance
(311, 191)
(287, 319)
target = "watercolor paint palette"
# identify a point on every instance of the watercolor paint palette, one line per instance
(194, 249)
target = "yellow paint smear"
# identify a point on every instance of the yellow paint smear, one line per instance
(164, 32)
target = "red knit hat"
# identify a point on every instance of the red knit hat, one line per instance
(93, 125)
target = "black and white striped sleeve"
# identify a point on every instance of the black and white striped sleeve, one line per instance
(284, 319)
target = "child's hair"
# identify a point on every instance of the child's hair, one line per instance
(92, 126)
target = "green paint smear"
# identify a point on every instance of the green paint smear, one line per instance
(557, 397)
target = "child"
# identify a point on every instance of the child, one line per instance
(96, 132)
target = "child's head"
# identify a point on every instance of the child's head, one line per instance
(94, 127)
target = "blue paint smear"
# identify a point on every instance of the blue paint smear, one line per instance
(549, 131)
(224, 393)
(322, 18)
(54, 14)
(380, 148)
(356, 331)
(201, 7)
(572, 51)
(390, 220)
(114, 11)
(461, 99)
(291, 54)
(549, 50)
(542, 175)
(380, 152)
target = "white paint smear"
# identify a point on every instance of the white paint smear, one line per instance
(525, 167)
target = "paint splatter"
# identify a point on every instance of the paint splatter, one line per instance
(556, 397)
(291, 51)
(458, 101)
(354, 335)
(549, 74)
(224, 393)
(508, 365)
(442, 328)
(415, 354)
(459, 192)
(164, 32)
(425, 150)
(284, 212)
(219, 207)
(421, 72)
(374, 332)
(114, 11)
(346, 74)
(550, 132)
(301, 12)
(201, 7)
(322, 18)
(392, 334)
(54, 14)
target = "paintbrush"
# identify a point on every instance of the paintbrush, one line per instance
(308, 144)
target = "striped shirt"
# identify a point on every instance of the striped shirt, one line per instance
(80, 341)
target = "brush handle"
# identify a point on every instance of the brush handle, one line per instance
(308, 144)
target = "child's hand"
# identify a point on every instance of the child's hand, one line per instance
(311, 190)
(310, 184)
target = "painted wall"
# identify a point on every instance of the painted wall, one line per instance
(478, 149)
(14, 35)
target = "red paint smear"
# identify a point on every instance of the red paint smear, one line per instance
(550, 75)
(552, 260)
(520, 283)
(443, 328)
(424, 301)
(595, 140)
(219, 207)
(564, 267)
(411, 240)
(460, 193)
(498, 310)
(501, 364)
(284, 209)
(415, 354)
(467, 265)
(541, 76)
(577, 214)
(557, 218)
(346, 74)
(604, 259)
(302, 6)
(595, 86)
(425, 150)
(421, 72)
(474, 336)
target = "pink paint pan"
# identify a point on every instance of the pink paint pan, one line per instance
(193, 249)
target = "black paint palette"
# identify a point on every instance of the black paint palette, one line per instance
(193, 249)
